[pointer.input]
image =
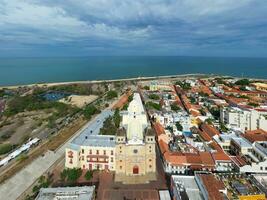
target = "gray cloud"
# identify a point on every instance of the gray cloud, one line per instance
(167, 27)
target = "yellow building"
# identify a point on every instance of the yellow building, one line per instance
(260, 86)
(135, 146)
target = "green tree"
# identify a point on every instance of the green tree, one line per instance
(243, 82)
(117, 118)
(111, 94)
(179, 126)
(89, 111)
(175, 107)
(154, 96)
(146, 87)
(88, 175)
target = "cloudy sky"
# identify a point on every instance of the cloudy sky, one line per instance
(133, 27)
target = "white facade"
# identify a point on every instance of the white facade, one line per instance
(241, 119)
(258, 157)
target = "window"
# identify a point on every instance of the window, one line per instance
(135, 151)
(104, 152)
(70, 161)
(150, 166)
(111, 159)
(97, 152)
(120, 167)
(111, 152)
(82, 150)
(90, 151)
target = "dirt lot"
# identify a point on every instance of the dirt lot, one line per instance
(79, 100)
(19, 128)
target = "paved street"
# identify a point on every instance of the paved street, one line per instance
(17, 184)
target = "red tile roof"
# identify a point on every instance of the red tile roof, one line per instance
(212, 186)
(256, 135)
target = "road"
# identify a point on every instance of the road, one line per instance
(14, 187)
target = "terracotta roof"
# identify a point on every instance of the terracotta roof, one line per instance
(210, 130)
(238, 160)
(123, 100)
(256, 135)
(220, 156)
(158, 128)
(212, 186)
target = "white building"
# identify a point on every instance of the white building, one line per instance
(89, 150)
(258, 158)
(243, 119)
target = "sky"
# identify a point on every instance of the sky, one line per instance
(34, 28)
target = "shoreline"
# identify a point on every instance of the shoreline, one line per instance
(143, 78)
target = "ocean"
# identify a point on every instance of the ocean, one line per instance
(17, 71)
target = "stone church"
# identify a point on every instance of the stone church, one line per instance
(135, 146)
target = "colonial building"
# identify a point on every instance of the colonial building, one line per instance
(135, 144)
(89, 150)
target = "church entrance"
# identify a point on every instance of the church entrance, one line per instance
(135, 169)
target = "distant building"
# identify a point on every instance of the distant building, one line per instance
(135, 144)
(77, 193)
(89, 150)
(260, 86)
(243, 119)
(159, 85)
